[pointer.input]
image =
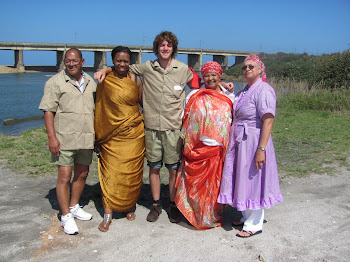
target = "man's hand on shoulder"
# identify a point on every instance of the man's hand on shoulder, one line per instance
(100, 75)
(229, 86)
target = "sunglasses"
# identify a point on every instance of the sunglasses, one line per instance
(251, 67)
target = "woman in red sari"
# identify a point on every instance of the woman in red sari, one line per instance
(206, 125)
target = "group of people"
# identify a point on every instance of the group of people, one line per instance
(216, 146)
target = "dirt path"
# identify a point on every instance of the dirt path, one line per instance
(312, 224)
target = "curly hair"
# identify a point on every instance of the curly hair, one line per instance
(169, 37)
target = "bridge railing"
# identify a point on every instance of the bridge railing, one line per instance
(194, 54)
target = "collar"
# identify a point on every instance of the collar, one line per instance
(243, 96)
(173, 64)
(68, 77)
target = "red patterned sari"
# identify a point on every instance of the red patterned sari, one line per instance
(207, 120)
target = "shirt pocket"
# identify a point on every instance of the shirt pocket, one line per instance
(68, 123)
(177, 89)
(68, 99)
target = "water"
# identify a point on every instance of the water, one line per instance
(20, 98)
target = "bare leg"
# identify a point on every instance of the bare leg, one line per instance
(108, 210)
(154, 180)
(172, 181)
(80, 174)
(62, 188)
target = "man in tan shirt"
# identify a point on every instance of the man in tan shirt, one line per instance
(68, 105)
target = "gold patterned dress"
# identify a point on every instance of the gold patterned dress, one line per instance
(120, 135)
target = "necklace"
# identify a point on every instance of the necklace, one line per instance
(245, 90)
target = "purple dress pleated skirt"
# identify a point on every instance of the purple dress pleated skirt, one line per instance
(242, 185)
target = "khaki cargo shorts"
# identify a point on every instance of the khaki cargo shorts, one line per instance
(163, 146)
(69, 157)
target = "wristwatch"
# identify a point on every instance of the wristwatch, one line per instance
(262, 148)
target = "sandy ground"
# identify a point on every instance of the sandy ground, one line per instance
(7, 69)
(312, 224)
(11, 69)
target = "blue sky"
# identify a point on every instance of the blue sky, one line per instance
(290, 26)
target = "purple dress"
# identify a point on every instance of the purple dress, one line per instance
(242, 185)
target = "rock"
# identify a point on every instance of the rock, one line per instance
(12, 121)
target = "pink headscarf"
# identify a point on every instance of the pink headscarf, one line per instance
(211, 66)
(257, 60)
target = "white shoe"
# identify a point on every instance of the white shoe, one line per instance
(69, 225)
(79, 213)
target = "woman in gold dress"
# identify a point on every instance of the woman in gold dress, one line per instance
(119, 138)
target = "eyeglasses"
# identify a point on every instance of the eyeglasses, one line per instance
(251, 67)
(73, 61)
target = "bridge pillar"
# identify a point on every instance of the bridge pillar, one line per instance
(136, 58)
(222, 60)
(195, 61)
(100, 60)
(239, 59)
(59, 60)
(19, 61)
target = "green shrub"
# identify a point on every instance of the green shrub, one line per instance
(326, 71)
(316, 99)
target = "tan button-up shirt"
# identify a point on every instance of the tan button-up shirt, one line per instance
(163, 93)
(74, 110)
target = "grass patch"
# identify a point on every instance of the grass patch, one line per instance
(29, 153)
(309, 141)
(306, 141)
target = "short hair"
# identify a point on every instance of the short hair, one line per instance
(169, 37)
(120, 49)
(76, 50)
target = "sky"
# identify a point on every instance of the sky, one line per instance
(291, 26)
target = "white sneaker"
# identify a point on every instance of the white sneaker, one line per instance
(69, 225)
(79, 213)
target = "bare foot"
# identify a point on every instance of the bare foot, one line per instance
(130, 216)
(104, 225)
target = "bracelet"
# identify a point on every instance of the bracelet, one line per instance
(262, 148)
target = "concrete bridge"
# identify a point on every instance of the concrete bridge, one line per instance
(194, 54)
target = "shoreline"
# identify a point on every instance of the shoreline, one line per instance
(5, 69)
(13, 70)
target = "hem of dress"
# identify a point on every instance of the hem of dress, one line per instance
(255, 205)
(224, 199)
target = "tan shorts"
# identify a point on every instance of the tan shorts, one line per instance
(69, 157)
(165, 146)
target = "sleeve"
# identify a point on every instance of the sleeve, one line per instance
(138, 69)
(189, 75)
(266, 101)
(50, 99)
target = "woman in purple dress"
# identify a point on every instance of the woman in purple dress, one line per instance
(250, 177)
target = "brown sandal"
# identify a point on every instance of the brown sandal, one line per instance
(107, 220)
(130, 216)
